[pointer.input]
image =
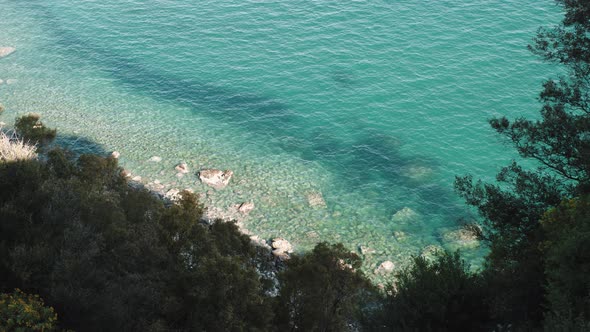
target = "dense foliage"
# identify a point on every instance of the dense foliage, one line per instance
(109, 256)
(560, 143)
(567, 264)
(105, 254)
(442, 295)
(30, 128)
(25, 312)
(322, 291)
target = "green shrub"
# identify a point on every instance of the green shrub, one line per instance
(30, 128)
(25, 312)
(442, 295)
(567, 263)
(322, 290)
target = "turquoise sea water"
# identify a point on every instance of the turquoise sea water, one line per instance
(374, 105)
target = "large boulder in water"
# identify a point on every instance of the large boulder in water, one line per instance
(4, 51)
(215, 178)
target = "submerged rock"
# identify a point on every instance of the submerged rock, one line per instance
(173, 194)
(404, 215)
(182, 168)
(418, 173)
(11, 81)
(215, 178)
(155, 159)
(136, 178)
(115, 154)
(316, 200)
(385, 268)
(5, 51)
(1, 81)
(461, 238)
(366, 250)
(400, 236)
(246, 207)
(429, 252)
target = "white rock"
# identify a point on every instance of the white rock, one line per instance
(173, 194)
(385, 267)
(155, 159)
(280, 243)
(281, 255)
(246, 207)
(215, 178)
(282, 248)
(1, 81)
(11, 81)
(115, 154)
(5, 51)
(136, 178)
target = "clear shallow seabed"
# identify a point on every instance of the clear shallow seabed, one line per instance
(375, 105)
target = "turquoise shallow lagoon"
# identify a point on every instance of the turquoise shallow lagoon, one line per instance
(374, 105)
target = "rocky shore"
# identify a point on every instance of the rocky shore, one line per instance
(219, 180)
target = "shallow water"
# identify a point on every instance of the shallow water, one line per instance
(374, 105)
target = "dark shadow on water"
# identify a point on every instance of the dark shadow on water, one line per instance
(370, 160)
(79, 145)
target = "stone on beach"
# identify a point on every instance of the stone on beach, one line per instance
(281, 248)
(385, 267)
(173, 194)
(215, 178)
(182, 168)
(258, 241)
(5, 51)
(246, 207)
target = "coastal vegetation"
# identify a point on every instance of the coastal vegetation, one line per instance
(82, 248)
